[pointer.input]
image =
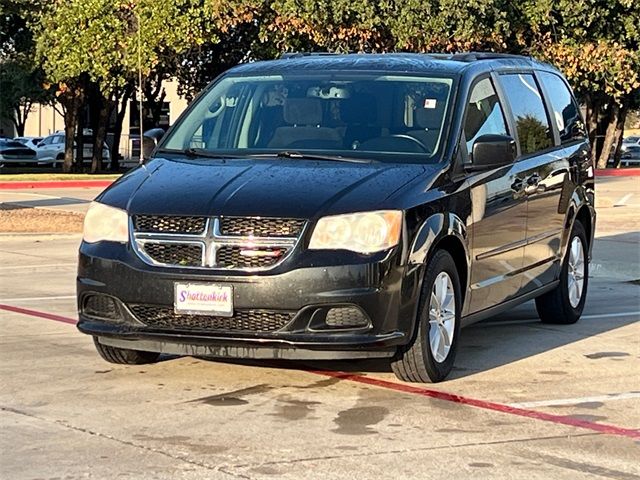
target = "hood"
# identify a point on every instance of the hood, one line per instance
(291, 188)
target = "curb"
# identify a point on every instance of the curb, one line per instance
(55, 184)
(618, 172)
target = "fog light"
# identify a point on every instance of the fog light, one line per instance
(102, 307)
(346, 317)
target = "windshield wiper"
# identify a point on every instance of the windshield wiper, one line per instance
(311, 156)
(198, 152)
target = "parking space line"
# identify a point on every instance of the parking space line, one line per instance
(575, 401)
(537, 320)
(623, 201)
(485, 405)
(35, 313)
(35, 299)
(24, 267)
(412, 389)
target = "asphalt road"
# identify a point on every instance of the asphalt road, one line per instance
(526, 400)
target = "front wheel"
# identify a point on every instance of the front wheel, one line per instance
(430, 355)
(124, 356)
(564, 304)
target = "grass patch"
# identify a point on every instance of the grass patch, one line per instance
(47, 177)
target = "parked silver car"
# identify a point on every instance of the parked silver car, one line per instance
(51, 149)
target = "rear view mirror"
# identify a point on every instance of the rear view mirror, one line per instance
(492, 151)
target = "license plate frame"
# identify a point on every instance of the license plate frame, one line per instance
(199, 298)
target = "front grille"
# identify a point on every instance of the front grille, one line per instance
(169, 224)
(243, 320)
(241, 257)
(179, 254)
(249, 243)
(260, 227)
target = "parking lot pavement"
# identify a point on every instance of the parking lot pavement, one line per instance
(526, 400)
(65, 199)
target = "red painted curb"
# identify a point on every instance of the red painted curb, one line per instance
(618, 172)
(55, 184)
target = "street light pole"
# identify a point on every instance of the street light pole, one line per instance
(141, 159)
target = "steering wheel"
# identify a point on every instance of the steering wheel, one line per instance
(414, 140)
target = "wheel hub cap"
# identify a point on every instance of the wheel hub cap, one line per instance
(575, 278)
(442, 317)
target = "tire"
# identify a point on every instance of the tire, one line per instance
(416, 361)
(124, 356)
(559, 306)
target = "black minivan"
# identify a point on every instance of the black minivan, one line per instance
(346, 206)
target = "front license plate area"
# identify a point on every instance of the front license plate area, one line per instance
(203, 299)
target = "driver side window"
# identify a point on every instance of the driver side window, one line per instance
(484, 114)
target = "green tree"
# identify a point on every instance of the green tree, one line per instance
(21, 86)
(104, 42)
(597, 46)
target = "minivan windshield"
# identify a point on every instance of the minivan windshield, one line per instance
(385, 118)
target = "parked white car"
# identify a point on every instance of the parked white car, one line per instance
(31, 142)
(12, 152)
(633, 141)
(51, 150)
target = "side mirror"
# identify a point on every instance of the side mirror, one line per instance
(150, 140)
(492, 151)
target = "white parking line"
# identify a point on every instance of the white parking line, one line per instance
(35, 299)
(623, 201)
(50, 265)
(535, 320)
(574, 401)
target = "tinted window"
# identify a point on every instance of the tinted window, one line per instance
(58, 139)
(534, 132)
(565, 110)
(484, 113)
(390, 118)
(46, 141)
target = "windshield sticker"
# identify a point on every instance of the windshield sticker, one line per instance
(429, 103)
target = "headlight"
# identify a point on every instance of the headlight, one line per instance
(359, 232)
(104, 223)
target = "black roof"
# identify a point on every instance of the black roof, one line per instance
(392, 62)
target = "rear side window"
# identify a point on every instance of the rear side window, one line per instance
(534, 132)
(565, 109)
(484, 114)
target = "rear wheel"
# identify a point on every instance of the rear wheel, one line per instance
(430, 355)
(564, 304)
(124, 355)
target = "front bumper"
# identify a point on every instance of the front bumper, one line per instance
(384, 290)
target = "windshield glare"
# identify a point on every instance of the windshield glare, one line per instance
(384, 118)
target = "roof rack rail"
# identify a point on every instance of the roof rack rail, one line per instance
(306, 54)
(473, 56)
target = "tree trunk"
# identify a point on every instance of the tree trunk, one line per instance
(100, 133)
(609, 137)
(619, 134)
(592, 114)
(121, 110)
(79, 160)
(70, 123)
(71, 101)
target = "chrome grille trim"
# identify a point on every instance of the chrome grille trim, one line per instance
(210, 241)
